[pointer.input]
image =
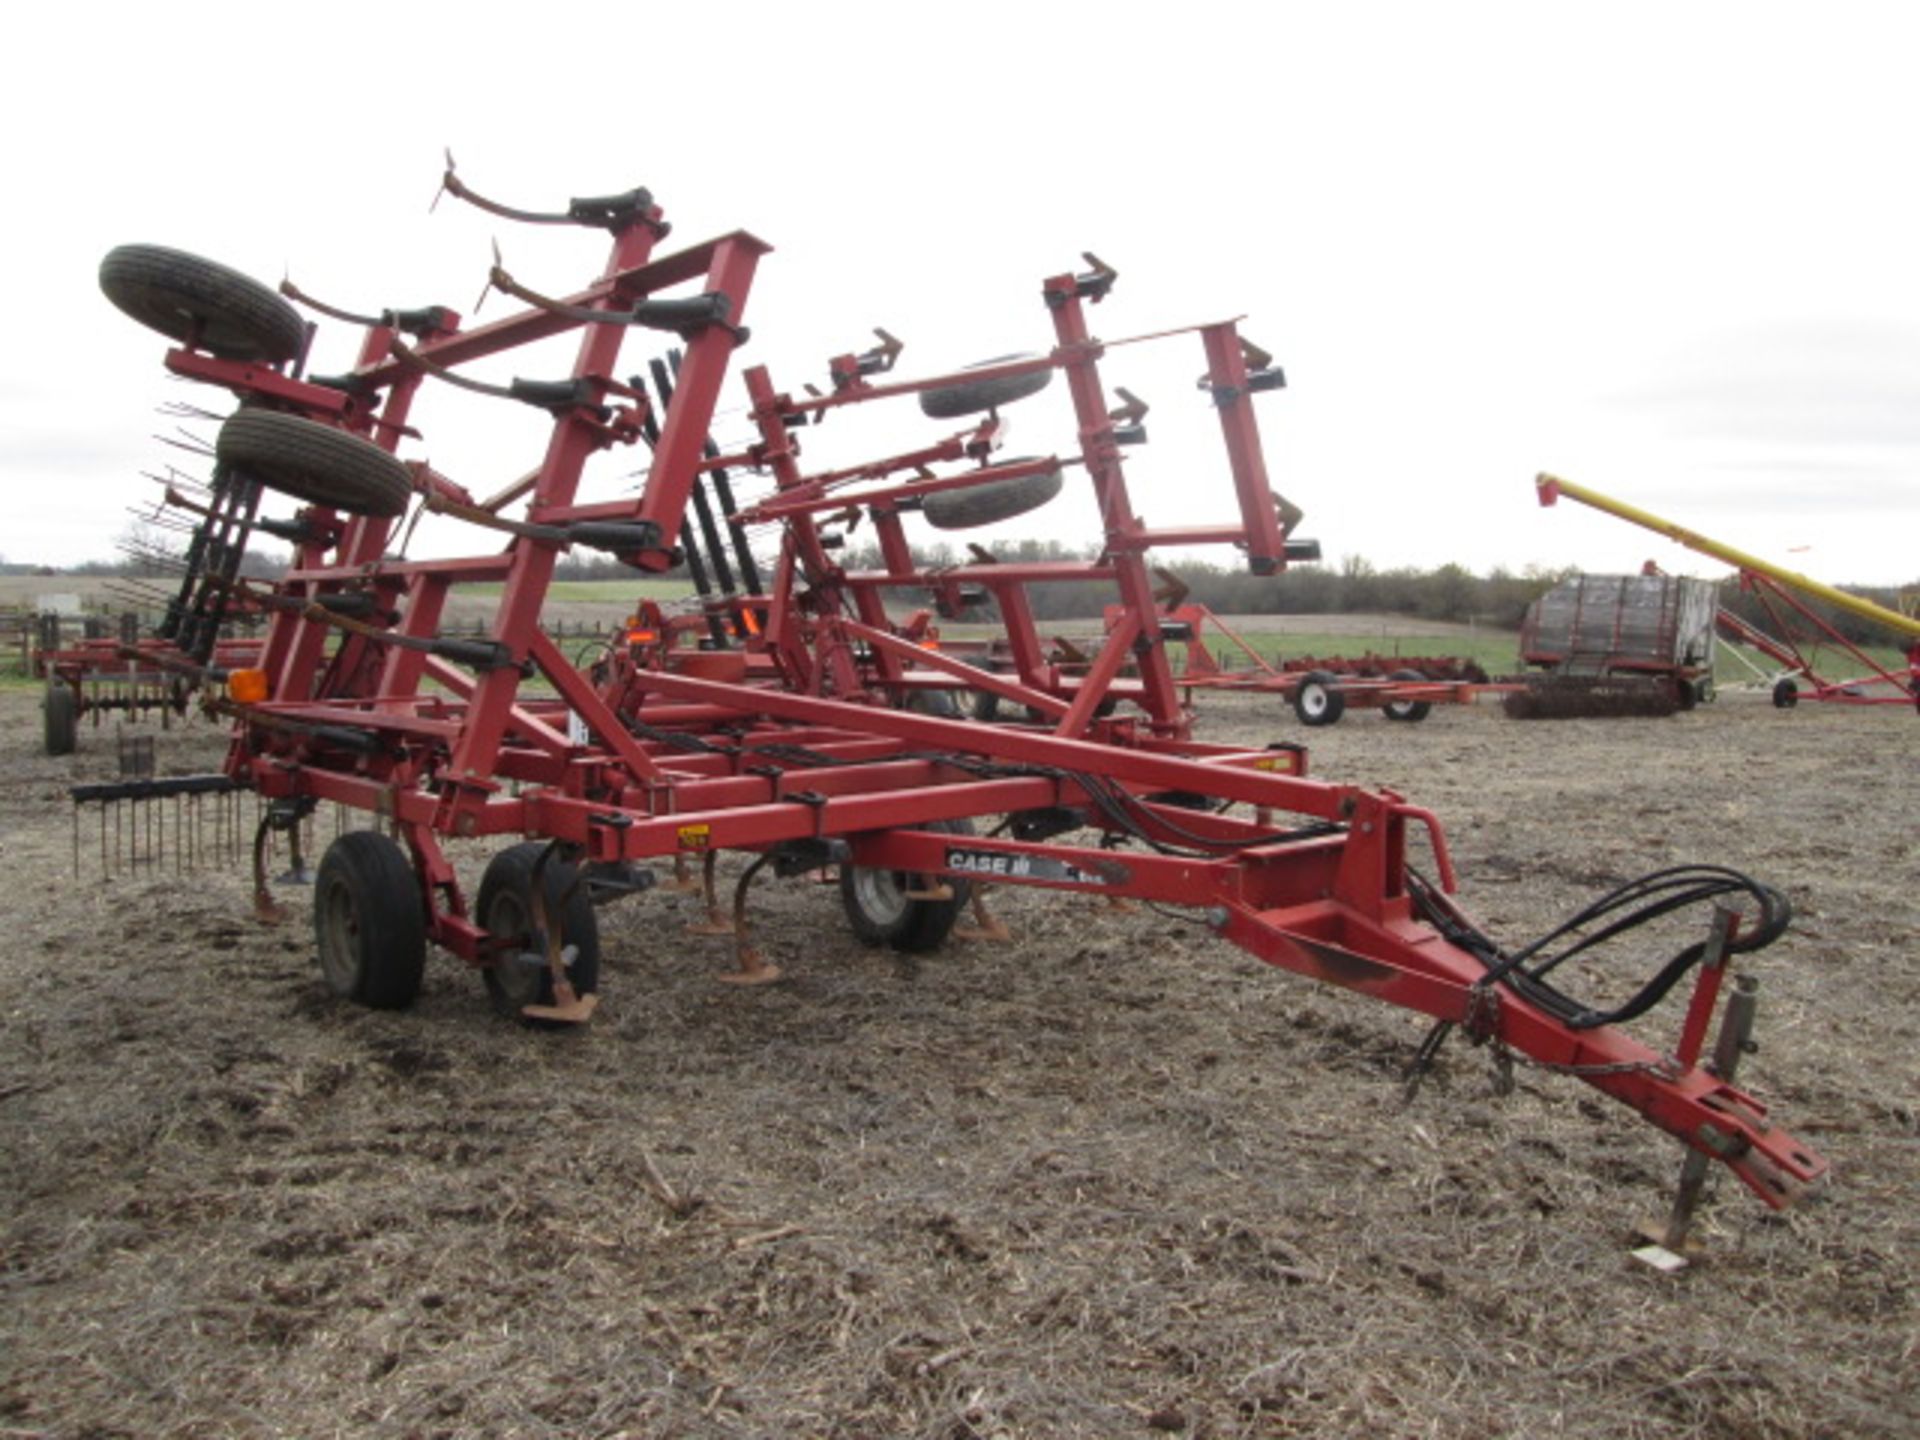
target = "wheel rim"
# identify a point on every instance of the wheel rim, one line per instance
(340, 939)
(881, 896)
(1313, 701)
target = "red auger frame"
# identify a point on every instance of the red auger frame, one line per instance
(791, 738)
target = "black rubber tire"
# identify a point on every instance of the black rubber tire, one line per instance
(970, 397)
(1685, 696)
(1315, 700)
(1786, 694)
(61, 717)
(881, 913)
(941, 704)
(369, 921)
(237, 318)
(504, 908)
(315, 462)
(991, 501)
(1410, 711)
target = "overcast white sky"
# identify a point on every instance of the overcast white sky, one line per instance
(1669, 250)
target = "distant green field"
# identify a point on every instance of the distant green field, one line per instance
(600, 592)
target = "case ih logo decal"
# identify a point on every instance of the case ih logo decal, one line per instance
(1028, 867)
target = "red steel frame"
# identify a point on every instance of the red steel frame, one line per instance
(1879, 686)
(808, 743)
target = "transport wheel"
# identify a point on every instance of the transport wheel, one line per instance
(1411, 711)
(1685, 696)
(1786, 694)
(941, 704)
(184, 297)
(984, 706)
(1315, 701)
(61, 717)
(369, 922)
(881, 911)
(314, 462)
(992, 501)
(505, 909)
(970, 397)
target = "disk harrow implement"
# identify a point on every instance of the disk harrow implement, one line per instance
(797, 721)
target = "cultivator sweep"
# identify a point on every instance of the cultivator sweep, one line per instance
(797, 721)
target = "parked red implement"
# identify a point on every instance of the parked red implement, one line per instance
(132, 675)
(786, 737)
(1404, 688)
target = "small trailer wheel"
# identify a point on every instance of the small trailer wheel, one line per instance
(1786, 694)
(1411, 711)
(62, 717)
(882, 912)
(314, 462)
(991, 501)
(1315, 700)
(369, 921)
(1685, 695)
(970, 397)
(225, 313)
(505, 909)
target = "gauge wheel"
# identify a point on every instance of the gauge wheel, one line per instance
(991, 501)
(314, 462)
(61, 717)
(970, 397)
(1410, 711)
(1316, 701)
(200, 303)
(369, 922)
(519, 976)
(882, 911)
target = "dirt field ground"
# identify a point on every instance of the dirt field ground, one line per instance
(1111, 1179)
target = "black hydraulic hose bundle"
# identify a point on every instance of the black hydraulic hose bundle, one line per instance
(1626, 908)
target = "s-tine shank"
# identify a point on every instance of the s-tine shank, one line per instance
(530, 571)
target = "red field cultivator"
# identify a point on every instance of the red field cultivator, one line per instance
(790, 726)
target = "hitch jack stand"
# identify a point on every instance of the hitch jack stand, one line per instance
(1669, 1248)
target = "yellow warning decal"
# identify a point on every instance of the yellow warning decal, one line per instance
(695, 837)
